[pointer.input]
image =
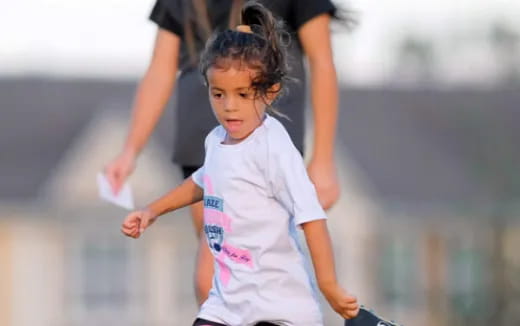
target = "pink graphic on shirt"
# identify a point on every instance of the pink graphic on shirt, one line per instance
(208, 185)
(240, 256)
(214, 217)
(216, 224)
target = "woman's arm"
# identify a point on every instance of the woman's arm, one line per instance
(154, 90)
(150, 100)
(320, 248)
(314, 36)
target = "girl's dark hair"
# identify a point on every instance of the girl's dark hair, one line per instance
(263, 50)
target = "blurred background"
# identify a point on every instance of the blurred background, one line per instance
(427, 231)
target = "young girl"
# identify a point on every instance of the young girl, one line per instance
(255, 191)
(183, 28)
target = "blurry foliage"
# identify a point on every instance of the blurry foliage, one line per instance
(505, 42)
(415, 60)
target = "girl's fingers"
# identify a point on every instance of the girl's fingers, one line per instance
(350, 299)
(350, 313)
(129, 221)
(356, 312)
(132, 219)
(348, 305)
(352, 306)
(135, 223)
(144, 224)
(126, 227)
(135, 233)
(128, 231)
(129, 224)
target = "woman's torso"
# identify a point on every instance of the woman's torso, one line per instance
(193, 115)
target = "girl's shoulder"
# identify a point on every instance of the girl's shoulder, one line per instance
(279, 141)
(215, 136)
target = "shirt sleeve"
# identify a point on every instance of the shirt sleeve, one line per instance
(197, 177)
(164, 19)
(291, 185)
(305, 10)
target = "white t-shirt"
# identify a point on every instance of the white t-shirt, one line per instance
(255, 194)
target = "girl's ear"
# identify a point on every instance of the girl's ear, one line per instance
(273, 92)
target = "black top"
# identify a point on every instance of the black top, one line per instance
(193, 115)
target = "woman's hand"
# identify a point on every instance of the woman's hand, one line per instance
(343, 303)
(137, 221)
(118, 170)
(323, 175)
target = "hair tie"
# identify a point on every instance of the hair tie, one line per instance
(244, 29)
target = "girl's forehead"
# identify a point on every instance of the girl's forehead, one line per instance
(231, 76)
(237, 63)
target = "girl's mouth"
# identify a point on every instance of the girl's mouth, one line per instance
(233, 124)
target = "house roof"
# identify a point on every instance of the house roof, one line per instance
(452, 147)
(435, 146)
(42, 119)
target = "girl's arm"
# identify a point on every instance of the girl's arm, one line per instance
(320, 248)
(185, 194)
(150, 101)
(314, 36)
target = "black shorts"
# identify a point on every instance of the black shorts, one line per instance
(204, 322)
(187, 171)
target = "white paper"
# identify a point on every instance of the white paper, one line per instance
(123, 198)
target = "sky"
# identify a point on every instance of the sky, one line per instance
(114, 38)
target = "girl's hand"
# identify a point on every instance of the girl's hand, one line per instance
(323, 175)
(119, 169)
(343, 303)
(136, 222)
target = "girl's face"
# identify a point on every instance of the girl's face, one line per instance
(234, 102)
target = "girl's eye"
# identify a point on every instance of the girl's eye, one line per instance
(217, 95)
(247, 95)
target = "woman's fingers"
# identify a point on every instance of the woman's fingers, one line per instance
(118, 170)
(114, 172)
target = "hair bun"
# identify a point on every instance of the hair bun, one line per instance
(244, 29)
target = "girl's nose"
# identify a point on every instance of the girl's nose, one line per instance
(229, 105)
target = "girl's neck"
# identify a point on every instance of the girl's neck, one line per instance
(233, 141)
